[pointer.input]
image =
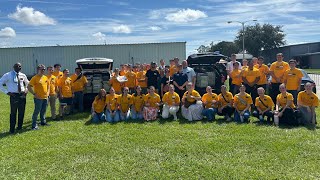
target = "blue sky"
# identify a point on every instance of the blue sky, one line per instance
(69, 22)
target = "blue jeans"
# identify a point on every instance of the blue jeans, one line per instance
(246, 116)
(98, 117)
(209, 113)
(78, 100)
(111, 118)
(136, 115)
(40, 106)
(124, 117)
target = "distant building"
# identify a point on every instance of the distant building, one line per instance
(67, 55)
(307, 55)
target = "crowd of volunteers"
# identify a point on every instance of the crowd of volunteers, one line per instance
(151, 91)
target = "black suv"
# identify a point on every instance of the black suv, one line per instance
(209, 72)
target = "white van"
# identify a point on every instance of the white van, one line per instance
(98, 72)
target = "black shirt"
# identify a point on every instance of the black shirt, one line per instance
(153, 77)
(180, 78)
(164, 80)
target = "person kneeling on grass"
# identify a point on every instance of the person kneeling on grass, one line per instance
(192, 105)
(307, 102)
(112, 112)
(98, 106)
(152, 103)
(124, 102)
(285, 108)
(210, 102)
(242, 104)
(225, 101)
(137, 106)
(171, 102)
(264, 106)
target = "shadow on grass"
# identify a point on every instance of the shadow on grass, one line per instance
(25, 128)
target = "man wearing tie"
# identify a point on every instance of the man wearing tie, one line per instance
(16, 83)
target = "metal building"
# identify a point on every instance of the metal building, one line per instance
(67, 55)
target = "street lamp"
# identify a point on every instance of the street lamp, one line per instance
(242, 23)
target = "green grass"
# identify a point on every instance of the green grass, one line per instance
(76, 149)
(315, 71)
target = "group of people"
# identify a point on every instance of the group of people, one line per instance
(151, 90)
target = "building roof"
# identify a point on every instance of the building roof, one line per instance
(309, 54)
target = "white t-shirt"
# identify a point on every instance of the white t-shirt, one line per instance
(189, 72)
(230, 66)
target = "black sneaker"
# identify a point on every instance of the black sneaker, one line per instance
(35, 128)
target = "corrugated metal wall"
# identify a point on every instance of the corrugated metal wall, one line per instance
(66, 55)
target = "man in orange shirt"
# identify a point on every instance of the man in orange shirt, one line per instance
(57, 71)
(131, 76)
(39, 86)
(292, 79)
(250, 77)
(277, 70)
(264, 73)
(65, 93)
(53, 91)
(79, 81)
(141, 79)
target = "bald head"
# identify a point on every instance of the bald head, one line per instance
(184, 63)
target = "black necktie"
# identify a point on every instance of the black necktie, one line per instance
(19, 85)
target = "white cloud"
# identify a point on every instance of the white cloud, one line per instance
(159, 13)
(7, 32)
(121, 29)
(99, 36)
(185, 15)
(155, 28)
(28, 15)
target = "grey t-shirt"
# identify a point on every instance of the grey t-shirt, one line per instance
(189, 72)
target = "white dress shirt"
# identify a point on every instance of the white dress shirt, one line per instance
(230, 66)
(11, 82)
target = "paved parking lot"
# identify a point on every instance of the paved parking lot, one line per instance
(316, 78)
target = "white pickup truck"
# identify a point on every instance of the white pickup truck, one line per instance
(98, 71)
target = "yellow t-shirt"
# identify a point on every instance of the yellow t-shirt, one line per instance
(278, 68)
(125, 102)
(308, 100)
(152, 100)
(58, 74)
(228, 98)
(53, 83)
(138, 102)
(173, 69)
(99, 105)
(264, 69)
(112, 101)
(282, 99)
(193, 93)
(207, 98)
(131, 76)
(171, 98)
(236, 77)
(242, 104)
(266, 100)
(40, 86)
(141, 75)
(251, 75)
(292, 78)
(66, 86)
(115, 84)
(79, 84)
(122, 72)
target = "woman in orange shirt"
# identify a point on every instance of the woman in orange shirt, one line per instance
(98, 106)
(152, 103)
(137, 106)
(115, 83)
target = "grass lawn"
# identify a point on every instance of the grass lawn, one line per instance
(315, 71)
(76, 149)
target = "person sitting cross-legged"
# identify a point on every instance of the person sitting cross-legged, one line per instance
(112, 112)
(124, 102)
(152, 103)
(138, 103)
(307, 102)
(225, 102)
(171, 104)
(210, 103)
(98, 106)
(264, 106)
(242, 104)
(192, 105)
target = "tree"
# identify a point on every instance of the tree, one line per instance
(203, 49)
(225, 48)
(259, 38)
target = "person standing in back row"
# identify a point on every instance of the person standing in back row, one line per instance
(16, 83)
(229, 68)
(53, 91)
(264, 72)
(277, 70)
(57, 71)
(79, 81)
(189, 72)
(39, 86)
(153, 76)
(292, 79)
